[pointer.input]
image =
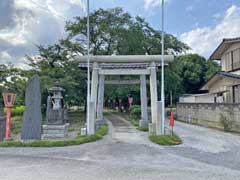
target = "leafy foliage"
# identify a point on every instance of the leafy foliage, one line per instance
(166, 139)
(16, 110)
(112, 31)
(191, 72)
(227, 120)
(135, 112)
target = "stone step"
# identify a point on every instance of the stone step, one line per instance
(54, 131)
(53, 136)
(55, 127)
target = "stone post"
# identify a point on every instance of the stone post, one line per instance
(153, 91)
(144, 113)
(92, 118)
(100, 101)
(159, 118)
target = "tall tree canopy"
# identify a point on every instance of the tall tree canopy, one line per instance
(193, 71)
(116, 31)
(112, 31)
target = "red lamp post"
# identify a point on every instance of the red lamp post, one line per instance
(9, 99)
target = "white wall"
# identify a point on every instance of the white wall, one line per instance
(201, 98)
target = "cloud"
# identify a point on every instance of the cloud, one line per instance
(150, 4)
(26, 23)
(204, 40)
(4, 55)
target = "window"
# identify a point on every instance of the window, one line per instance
(236, 94)
(236, 58)
(228, 61)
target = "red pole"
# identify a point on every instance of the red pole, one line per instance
(8, 119)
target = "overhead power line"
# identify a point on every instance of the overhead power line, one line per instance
(41, 6)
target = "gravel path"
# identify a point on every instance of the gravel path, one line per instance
(128, 154)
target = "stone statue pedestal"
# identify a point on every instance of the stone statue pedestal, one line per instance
(143, 123)
(54, 131)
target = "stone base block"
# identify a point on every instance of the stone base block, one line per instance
(83, 131)
(100, 123)
(143, 123)
(54, 131)
(152, 128)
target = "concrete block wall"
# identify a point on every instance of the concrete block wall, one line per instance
(208, 114)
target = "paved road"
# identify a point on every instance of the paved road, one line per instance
(126, 154)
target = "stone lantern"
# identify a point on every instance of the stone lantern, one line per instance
(57, 98)
(55, 106)
(56, 126)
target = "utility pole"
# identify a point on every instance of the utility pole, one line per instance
(162, 76)
(88, 69)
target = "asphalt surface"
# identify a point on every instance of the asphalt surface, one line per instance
(127, 154)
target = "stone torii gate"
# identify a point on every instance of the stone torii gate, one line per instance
(141, 65)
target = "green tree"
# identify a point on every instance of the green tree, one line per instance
(193, 70)
(115, 31)
(13, 80)
(112, 31)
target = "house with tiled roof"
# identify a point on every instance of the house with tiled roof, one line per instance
(223, 86)
(219, 105)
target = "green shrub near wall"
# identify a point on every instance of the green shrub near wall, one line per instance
(16, 111)
(133, 107)
(135, 111)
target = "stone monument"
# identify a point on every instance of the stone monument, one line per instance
(56, 126)
(32, 118)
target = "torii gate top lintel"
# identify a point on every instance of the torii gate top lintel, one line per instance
(125, 58)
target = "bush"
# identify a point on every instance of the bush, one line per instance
(135, 111)
(16, 111)
(226, 121)
(133, 107)
(16, 124)
(166, 139)
(100, 132)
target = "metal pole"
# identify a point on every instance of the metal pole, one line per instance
(162, 77)
(88, 70)
(171, 98)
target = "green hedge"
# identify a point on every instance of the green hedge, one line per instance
(166, 139)
(100, 132)
(135, 111)
(16, 111)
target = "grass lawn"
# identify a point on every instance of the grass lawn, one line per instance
(16, 125)
(77, 120)
(166, 139)
(100, 132)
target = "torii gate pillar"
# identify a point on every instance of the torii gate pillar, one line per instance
(154, 97)
(100, 102)
(144, 112)
(94, 91)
